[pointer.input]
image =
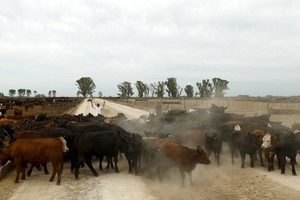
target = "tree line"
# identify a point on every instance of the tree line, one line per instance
(205, 89)
(28, 92)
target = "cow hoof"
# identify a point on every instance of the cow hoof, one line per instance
(51, 180)
(16, 181)
(57, 183)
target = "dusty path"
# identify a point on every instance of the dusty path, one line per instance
(210, 182)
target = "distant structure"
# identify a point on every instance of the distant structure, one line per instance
(244, 95)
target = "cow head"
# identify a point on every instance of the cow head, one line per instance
(266, 141)
(65, 148)
(201, 156)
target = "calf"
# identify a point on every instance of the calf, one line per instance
(37, 151)
(213, 143)
(183, 157)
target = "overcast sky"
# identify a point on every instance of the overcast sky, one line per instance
(48, 45)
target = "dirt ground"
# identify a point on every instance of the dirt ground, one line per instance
(210, 182)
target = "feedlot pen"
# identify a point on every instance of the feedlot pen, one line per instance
(285, 110)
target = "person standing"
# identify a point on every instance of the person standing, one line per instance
(97, 108)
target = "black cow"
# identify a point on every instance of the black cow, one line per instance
(99, 143)
(284, 144)
(132, 147)
(213, 143)
(246, 143)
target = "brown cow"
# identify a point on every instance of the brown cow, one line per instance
(27, 106)
(36, 151)
(10, 122)
(183, 157)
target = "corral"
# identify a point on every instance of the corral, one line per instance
(210, 182)
(286, 110)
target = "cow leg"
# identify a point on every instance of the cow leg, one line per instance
(45, 168)
(24, 166)
(129, 160)
(109, 163)
(18, 164)
(100, 162)
(282, 164)
(272, 161)
(79, 160)
(260, 157)
(30, 170)
(182, 177)
(88, 161)
(293, 162)
(243, 157)
(253, 158)
(190, 177)
(232, 149)
(135, 164)
(159, 173)
(73, 158)
(54, 171)
(112, 164)
(269, 155)
(217, 158)
(116, 163)
(38, 167)
(59, 172)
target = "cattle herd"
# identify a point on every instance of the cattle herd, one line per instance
(152, 144)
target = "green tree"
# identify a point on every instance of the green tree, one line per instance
(49, 93)
(160, 89)
(220, 85)
(205, 89)
(12, 92)
(21, 92)
(28, 93)
(189, 90)
(78, 93)
(141, 87)
(152, 89)
(35, 92)
(172, 87)
(125, 89)
(54, 93)
(147, 90)
(100, 94)
(86, 86)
